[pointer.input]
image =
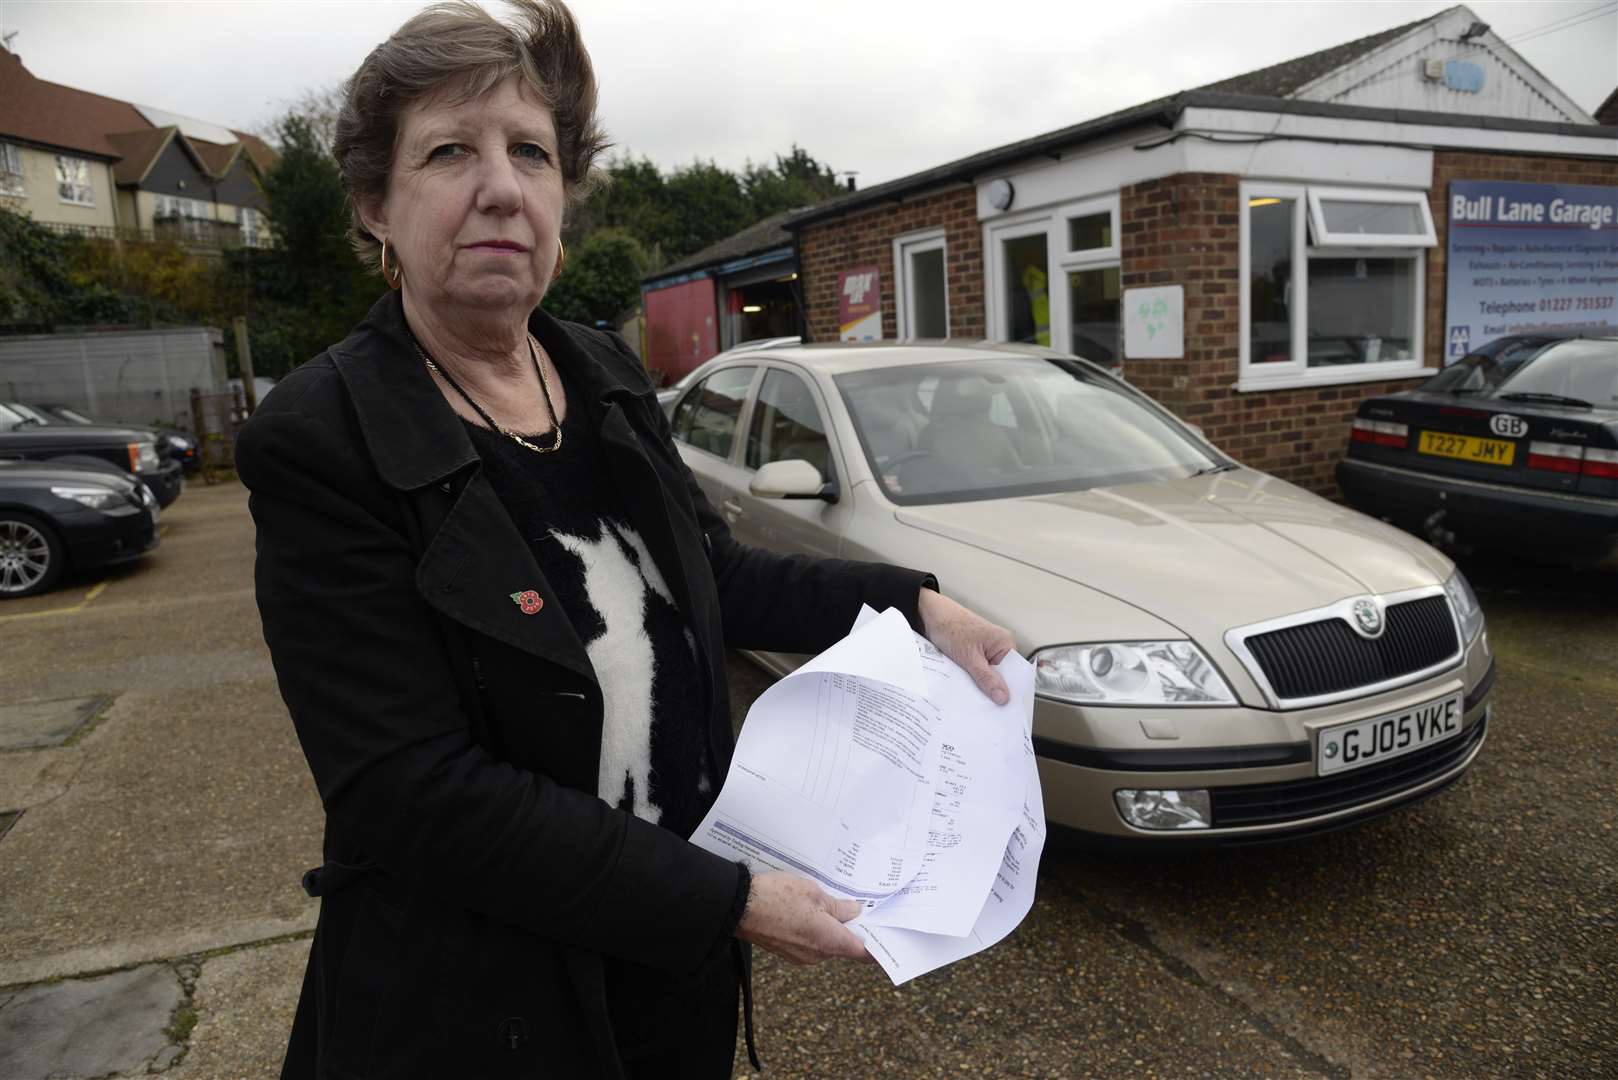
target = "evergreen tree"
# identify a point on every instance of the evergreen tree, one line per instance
(796, 180)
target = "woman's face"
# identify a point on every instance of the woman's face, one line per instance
(473, 211)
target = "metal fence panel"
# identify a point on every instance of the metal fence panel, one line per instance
(142, 377)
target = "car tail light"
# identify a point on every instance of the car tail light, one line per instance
(1554, 457)
(1381, 433)
(1601, 463)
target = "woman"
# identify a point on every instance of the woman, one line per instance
(498, 607)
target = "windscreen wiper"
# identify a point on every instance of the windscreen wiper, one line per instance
(1548, 399)
(1211, 469)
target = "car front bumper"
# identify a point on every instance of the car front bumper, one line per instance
(166, 482)
(1265, 790)
(1578, 528)
(95, 539)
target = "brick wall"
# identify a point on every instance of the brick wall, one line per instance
(866, 239)
(1451, 165)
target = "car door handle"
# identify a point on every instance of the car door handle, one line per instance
(732, 509)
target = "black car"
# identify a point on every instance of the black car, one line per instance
(115, 449)
(1524, 461)
(171, 445)
(55, 515)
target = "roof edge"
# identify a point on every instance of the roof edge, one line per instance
(1168, 111)
(1164, 111)
(1250, 103)
(718, 267)
(61, 148)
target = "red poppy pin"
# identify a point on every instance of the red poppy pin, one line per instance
(529, 600)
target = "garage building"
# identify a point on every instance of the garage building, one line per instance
(1280, 243)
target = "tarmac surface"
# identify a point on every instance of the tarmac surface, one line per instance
(160, 815)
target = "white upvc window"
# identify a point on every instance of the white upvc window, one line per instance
(1359, 217)
(73, 181)
(1087, 231)
(1088, 309)
(921, 284)
(249, 219)
(1054, 279)
(11, 178)
(1332, 284)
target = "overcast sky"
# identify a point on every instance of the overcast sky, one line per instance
(885, 87)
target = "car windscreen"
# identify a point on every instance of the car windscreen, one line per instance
(28, 412)
(72, 416)
(11, 419)
(1009, 426)
(1584, 369)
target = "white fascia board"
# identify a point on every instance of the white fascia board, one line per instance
(1312, 162)
(1392, 135)
(1105, 168)
(1094, 168)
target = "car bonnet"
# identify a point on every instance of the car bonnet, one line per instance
(1206, 553)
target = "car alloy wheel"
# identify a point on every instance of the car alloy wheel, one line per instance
(31, 558)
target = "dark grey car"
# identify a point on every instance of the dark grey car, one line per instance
(54, 516)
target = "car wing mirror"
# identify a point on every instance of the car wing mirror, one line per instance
(793, 479)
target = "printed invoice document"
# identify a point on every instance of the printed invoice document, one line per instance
(882, 773)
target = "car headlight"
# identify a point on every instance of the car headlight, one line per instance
(1465, 604)
(143, 457)
(1130, 673)
(96, 498)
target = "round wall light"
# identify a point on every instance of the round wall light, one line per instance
(1001, 193)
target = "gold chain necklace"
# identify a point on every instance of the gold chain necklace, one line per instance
(544, 386)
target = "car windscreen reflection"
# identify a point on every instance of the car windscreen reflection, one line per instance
(1008, 427)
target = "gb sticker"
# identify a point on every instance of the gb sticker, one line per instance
(1512, 427)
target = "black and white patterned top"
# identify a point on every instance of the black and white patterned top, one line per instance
(655, 761)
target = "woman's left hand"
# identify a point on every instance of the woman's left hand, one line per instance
(969, 639)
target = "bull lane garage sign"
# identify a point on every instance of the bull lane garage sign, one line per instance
(1529, 257)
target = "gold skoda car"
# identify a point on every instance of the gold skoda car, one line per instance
(1220, 656)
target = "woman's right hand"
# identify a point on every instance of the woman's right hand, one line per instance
(793, 917)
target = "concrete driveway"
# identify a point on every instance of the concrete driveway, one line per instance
(153, 920)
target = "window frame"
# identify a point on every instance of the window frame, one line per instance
(744, 415)
(13, 181)
(1071, 258)
(248, 218)
(1324, 238)
(996, 235)
(1060, 260)
(755, 403)
(916, 243)
(1297, 372)
(86, 190)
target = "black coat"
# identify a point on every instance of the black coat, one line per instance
(454, 738)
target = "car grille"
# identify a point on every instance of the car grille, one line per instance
(1328, 656)
(1295, 800)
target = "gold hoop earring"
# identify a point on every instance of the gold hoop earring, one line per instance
(561, 261)
(393, 278)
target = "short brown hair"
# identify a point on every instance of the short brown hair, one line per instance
(459, 50)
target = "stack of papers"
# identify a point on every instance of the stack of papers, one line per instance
(880, 772)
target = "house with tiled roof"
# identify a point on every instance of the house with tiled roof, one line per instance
(85, 163)
(1262, 253)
